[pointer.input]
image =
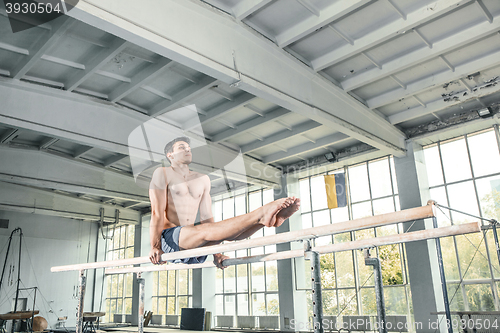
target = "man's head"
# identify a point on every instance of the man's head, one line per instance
(178, 150)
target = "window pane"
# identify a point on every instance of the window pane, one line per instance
(484, 153)
(480, 297)
(130, 235)
(129, 279)
(254, 200)
(240, 205)
(449, 258)
(219, 304)
(358, 183)
(229, 305)
(305, 199)
(345, 269)
(368, 301)
(217, 211)
(493, 254)
(380, 178)
(473, 266)
(171, 282)
(327, 272)
(230, 279)
(455, 297)
(348, 301)
(433, 166)
(258, 282)
(162, 283)
(463, 197)
(360, 210)
(321, 218)
(271, 276)
(329, 304)
(267, 196)
(383, 206)
(242, 284)
(273, 307)
(171, 309)
(242, 305)
(455, 161)
(488, 190)
(365, 272)
(318, 193)
(259, 305)
(218, 281)
(183, 303)
(395, 300)
(227, 208)
(183, 282)
(339, 214)
(392, 273)
(306, 221)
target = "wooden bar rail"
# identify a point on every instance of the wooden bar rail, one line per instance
(363, 223)
(347, 246)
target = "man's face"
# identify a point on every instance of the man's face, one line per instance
(181, 153)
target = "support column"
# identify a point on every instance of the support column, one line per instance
(423, 269)
(204, 289)
(140, 315)
(292, 303)
(81, 298)
(135, 283)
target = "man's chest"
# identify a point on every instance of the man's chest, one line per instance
(181, 188)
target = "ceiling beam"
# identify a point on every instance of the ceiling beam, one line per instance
(144, 77)
(181, 98)
(20, 198)
(46, 143)
(312, 23)
(386, 32)
(84, 120)
(422, 55)
(114, 159)
(219, 111)
(250, 124)
(245, 8)
(42, 45)
(280, 136)
(101, 59)
(81, 151)
(304, 148)
(442, 103)
(182, 36)
(309, 6)
(10, 135)
(36, 168)
(464, 69)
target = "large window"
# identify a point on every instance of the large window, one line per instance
(248, 289)
(347, 284)
(464, 173)
(119, 286)
(172, 291)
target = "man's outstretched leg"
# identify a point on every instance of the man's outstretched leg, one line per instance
(193, 236)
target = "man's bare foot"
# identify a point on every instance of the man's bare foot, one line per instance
(286, 212)
(270, 210)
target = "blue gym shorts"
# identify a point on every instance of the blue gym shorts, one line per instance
(170, 243)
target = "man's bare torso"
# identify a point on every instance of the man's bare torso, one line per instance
(183, 197)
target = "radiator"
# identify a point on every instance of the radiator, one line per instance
(225, 321)
(172, 320)
(269, 322)
(246, 321)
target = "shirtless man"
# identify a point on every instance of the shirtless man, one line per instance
(177, 193)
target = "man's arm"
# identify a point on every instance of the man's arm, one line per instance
(158, 198)
(206, 216)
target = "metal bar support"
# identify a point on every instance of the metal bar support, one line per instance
(140, 324)
(379, 289)
(495, 236)
(81, 297)
(317, 300)
(443, 280)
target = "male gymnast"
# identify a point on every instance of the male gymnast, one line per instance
(177, 193)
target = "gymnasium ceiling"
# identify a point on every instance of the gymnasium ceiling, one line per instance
(280, 82)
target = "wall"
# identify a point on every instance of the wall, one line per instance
(48, 241)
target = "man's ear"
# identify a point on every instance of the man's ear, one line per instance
(170, 156)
